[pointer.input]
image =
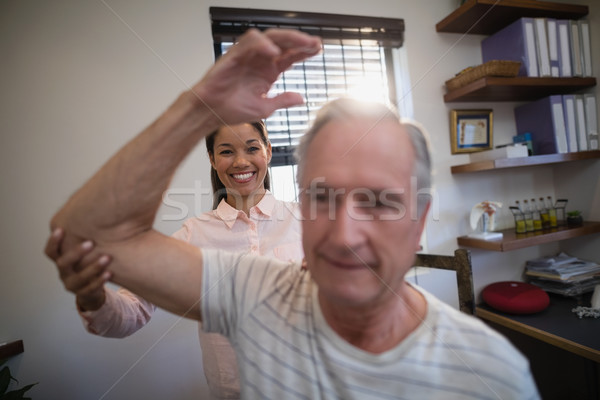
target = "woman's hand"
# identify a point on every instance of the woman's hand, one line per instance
(82, 272)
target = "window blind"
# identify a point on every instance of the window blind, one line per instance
(352, 63)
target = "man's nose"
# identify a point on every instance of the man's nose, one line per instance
(346, 230)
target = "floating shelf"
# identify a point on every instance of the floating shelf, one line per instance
(485, 17)
(10, 349)
(513, 241)
(516, 89)
(524, 161)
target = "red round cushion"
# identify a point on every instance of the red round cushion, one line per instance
(515, 297)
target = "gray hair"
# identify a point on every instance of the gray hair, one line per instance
(344, 109)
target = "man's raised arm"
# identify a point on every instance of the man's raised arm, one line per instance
(116, 208)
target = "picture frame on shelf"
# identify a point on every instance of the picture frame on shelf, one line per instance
(471, 130)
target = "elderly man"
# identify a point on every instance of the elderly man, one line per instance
(345, 324)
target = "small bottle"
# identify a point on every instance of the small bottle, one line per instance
(528, 217)
(536, 216)
(551, 212)
(561, 214)
(544, 214)
(519, 219)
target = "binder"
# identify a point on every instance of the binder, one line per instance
(552, 32)
(544, 119)
(591, 120)
(585, 46)
(564, 47)
(541, 47)
(570, 121)
(576, 53)
(582, 139)
(515, 42)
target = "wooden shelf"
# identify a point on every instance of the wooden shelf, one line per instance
(10, 349)
(524, 161)
(485, 17)
(513, 241)
(516, 89)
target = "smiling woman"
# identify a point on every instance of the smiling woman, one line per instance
(239, 156)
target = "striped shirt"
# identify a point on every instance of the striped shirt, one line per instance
(286, 350)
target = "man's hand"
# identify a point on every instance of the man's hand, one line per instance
(82, 273)
(235, 88)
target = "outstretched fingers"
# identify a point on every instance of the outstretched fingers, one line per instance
(294, 46)
(236, 89)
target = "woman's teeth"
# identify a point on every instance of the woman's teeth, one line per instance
(243, 177)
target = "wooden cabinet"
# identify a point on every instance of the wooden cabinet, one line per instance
(486, 17)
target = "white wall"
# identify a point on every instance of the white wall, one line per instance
(79, 79)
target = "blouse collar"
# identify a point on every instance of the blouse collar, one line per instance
(263, 210)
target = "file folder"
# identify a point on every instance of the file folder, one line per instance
(544, 119)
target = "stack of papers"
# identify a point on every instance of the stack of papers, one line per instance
(563, 274)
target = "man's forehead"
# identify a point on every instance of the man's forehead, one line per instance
(360, 154)
(360, 136)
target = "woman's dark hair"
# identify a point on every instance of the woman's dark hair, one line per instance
(219, 189)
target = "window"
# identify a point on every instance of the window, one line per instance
(360, 58)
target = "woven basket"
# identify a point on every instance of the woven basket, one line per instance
(490, 68)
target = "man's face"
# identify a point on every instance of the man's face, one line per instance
(358, 235)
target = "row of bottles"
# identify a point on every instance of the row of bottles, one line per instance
(531, 216)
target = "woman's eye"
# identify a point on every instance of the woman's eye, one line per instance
(225, 152)
(252, 149)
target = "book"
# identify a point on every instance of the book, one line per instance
(565, 288)
(591, 120)
(572, 272)
(541, 47)
(544, 119)
(576, 54)
(582, 139)
(552, 32)
(570, 121)
(564, 47)
(515, 42)
(510, 151)
(563, 268)
(585, 46)
(546, 262)
(558, 277)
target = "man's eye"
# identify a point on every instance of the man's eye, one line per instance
(321, 197)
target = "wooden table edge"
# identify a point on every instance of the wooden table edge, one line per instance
(542, 335)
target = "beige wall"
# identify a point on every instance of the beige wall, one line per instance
(79, 79)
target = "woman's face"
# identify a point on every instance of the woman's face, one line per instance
(240, 158)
